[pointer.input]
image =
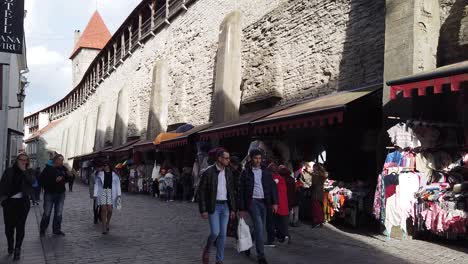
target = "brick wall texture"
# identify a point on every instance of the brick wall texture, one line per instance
(453, 41)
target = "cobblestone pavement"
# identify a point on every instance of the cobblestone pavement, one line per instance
(147, 230)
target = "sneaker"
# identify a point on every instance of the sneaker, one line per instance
(59, 233)
(269, 244)
(247, 252)
(262, 261)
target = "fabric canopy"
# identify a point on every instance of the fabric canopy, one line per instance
(326, 110)
(122, 148)
(164, 137)
(453, 75)
(143, 146)
(238, 127)
(93, 154)
(183, 138)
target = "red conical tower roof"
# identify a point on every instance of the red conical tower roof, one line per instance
(95, 36)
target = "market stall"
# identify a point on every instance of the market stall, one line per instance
(424, 180)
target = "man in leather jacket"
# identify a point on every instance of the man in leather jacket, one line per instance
(217, 202)
(53, 179)
(257, 194)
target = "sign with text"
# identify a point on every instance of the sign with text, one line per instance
(11, 26)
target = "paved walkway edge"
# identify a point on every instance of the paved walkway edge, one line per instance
(38, 215)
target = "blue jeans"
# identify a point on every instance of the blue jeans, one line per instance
(218, 227)
(55, 200)
(257, 212)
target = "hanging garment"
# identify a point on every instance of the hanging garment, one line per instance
(408, 161)
(378, 198)
(422, 167)
(390, 183)
(155, 172)
(392, 162)
(403, 136)
(392, 212)
(408, 186)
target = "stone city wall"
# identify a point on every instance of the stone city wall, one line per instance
(291, 50)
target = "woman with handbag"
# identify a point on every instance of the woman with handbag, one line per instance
(15, 191)
(108, 193)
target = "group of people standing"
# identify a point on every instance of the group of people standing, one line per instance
(267, 194)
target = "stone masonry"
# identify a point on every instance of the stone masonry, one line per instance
(290, 50)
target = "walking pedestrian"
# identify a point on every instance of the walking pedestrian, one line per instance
(319, 175)
(187, 183)
(293, 204)
(15, 192)
(107, 191)
(98, 167)
(71, 181)
(305, 191)
(217, 203)
(281, 217)
(162, 184)
(36, 187)
(53, 179)
(155, 187)
(257, 192)
(270, 216)
(169, 184)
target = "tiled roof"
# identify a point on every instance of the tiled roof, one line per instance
(95, 35)
(41, 132)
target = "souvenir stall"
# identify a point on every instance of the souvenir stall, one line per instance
(422, 181)
(423, 185)
(181, 154)
(119, 157)
(319, 130)
(150, 158)
(85, 163)
(85, 170)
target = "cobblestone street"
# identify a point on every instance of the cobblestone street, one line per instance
(147, 230)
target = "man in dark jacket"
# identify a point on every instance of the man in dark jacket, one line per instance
(53, 179)
(217, 203)
(257, 194)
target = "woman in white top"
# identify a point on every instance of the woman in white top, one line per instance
(107, 193)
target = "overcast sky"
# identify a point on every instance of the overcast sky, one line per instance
(49, 27)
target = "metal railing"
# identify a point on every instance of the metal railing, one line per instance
(127, 47)
(159, 17)
(175, 6)
(118, 55)
(146, 28)
(134, 39)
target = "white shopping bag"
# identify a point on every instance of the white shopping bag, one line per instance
(119, 203)
(244, 241)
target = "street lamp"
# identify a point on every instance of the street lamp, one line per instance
(20, 96)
